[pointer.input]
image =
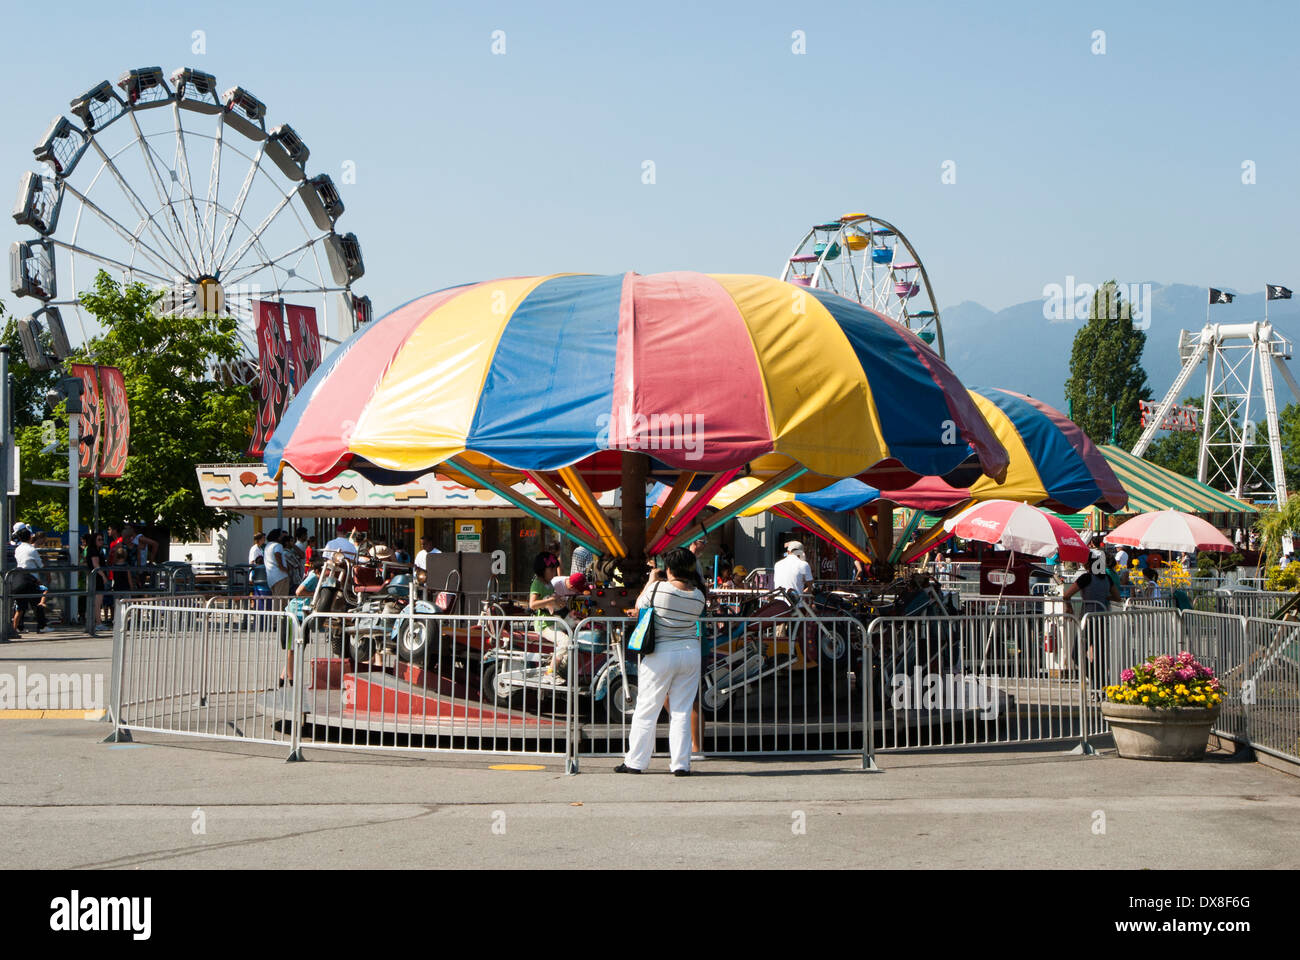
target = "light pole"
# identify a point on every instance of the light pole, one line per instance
(5, 461)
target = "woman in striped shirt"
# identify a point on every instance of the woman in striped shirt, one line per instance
(673, 670)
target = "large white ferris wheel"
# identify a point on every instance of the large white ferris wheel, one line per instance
(869, 260)
(187, 191)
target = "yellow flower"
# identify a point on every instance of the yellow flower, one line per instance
(1144, 699)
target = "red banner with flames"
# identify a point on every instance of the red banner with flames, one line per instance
(116, 440)
(90, 417)
(273, 368)
(304, 344)
(105, 421)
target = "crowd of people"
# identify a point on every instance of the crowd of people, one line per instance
(117, 561)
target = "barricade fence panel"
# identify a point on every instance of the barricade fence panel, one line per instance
(181, 667)
(771, 683)
(1111, 641)
(1256, 659)
(1266, 678)
(412, 679)
(970, 680)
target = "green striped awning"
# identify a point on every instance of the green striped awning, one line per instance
(1075, 521)
(1151, 487)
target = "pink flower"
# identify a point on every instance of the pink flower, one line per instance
(1163, 668)
(1186, 658)
(1127, 676)
(1185, 674)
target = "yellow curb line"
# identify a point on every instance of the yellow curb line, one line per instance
(516, 766)
(51, 714)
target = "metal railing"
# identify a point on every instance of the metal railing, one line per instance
(976, 680)
(70, 593)
(1257, 661)
(182, 666)
(436, 682)
(1245, 603)
(789, 685)
(401, 677)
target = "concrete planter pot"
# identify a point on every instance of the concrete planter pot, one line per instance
(1159, 733)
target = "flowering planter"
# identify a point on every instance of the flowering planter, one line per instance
(1160, 733)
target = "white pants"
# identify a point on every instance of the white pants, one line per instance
(673, 670)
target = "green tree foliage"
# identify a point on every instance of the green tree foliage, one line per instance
(1273, 524)
(180, 415)
(1106, 371)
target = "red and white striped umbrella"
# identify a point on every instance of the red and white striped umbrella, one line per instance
(1019, 527)
(1169, 530)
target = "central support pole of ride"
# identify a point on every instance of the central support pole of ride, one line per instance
(884, 538)
(636, 468)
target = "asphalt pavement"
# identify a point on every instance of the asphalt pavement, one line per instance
(69, 800)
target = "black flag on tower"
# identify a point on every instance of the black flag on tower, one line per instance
(1220, 296)
(1278, 292)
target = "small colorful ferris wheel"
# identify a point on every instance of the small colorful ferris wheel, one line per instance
(869, 260)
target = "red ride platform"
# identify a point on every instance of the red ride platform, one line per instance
(404, 699)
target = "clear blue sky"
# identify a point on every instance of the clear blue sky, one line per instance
(471, 165)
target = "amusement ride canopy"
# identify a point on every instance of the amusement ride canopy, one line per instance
(583, 383)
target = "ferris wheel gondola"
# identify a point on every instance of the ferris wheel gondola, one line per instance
(869, 260)
(119, 193)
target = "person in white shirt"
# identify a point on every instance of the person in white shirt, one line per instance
(1121, 558)
(257, 552)
(27, 586)
(574, 585)
(792, 571)
(346, 545)
(426, 548)
(277, 571)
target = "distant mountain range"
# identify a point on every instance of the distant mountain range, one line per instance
(1020, 349)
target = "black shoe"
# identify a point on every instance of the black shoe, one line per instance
(624, 768)
(681, 773)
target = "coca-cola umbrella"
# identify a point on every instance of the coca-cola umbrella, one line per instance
(1020, 528)
(1169, 530)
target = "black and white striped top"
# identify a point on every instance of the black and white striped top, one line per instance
(676, 611)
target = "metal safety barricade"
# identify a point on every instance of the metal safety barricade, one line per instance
(390, 677)
(1257, 661)
(975, 680)
(412, 680)
(769, 686)
(1111, 641)
(181, 667)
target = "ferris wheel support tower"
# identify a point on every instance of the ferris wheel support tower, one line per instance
(1240, 359)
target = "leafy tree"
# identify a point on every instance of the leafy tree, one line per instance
(1106, 370)
(180, 414)
(1273, 524)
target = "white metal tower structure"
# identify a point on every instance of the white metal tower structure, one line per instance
(1240, 359)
